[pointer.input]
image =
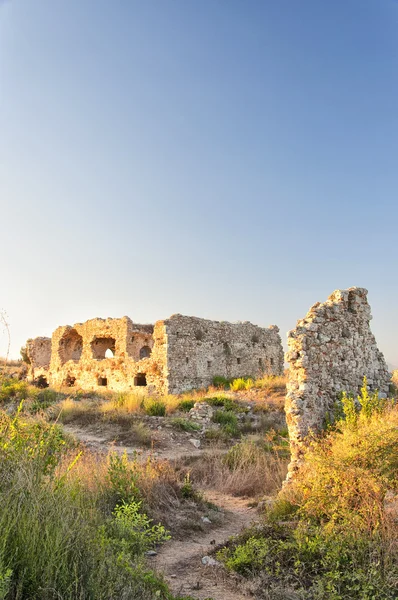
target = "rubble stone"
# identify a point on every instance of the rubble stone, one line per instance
(330, 351)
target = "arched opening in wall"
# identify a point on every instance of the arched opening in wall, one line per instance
(102, 381)
(70, 346)
(271, 360)
(70, 381)
(238, 360)
(41, 382)
(145, 352)
(109, 353)
(101, 345)
(140, 379)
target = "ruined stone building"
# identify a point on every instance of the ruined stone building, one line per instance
(170, 357)
(330, 351)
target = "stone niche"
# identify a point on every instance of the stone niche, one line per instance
(330, 351)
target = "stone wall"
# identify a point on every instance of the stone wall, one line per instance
(172, 356)
(39, 354)
(199, 350)
(114, 354)
(330, 351)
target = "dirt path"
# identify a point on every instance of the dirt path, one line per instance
(181, 561)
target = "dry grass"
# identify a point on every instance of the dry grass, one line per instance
(121, 408)
(156, 483)
(10, 362)
(272, 383)
(82, 411)
(245, 470)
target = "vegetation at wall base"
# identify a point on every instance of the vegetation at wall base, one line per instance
(331, 535)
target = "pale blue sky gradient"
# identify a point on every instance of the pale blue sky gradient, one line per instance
(229, 159)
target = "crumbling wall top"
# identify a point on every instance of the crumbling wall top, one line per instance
(330, 351)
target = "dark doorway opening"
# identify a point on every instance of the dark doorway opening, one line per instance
(140, 379)
(70, 381)
(41, 382)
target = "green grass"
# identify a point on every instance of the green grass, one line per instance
(186, 405)
(242, 383)
(155, 408)
(225, 402)
(221, 382)
(228, 421)
(12, 389)
(184, 424)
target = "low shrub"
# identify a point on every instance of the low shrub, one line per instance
(155, 408)
(186, 405)
(221, 382)
(142, 434)
(242, 383)
(225, 402)
(12, 389)
(228, 421)
(43, 400)
(184, 424)
(214, 434)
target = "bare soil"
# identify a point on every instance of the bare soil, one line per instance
(180, 562)
(166, 445)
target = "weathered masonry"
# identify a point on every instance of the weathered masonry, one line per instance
(170, 357)
(330, 351)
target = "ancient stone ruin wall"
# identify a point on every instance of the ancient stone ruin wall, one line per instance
(199, 349)
(39, 354)
(178, 354)
(115, 354)
(330, 351)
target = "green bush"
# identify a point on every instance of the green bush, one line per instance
(186, 405)
(43, 399)
(225, 402)
(221, 382)
(13, 389)
(228, 421)
(184, 424)
(155, 408)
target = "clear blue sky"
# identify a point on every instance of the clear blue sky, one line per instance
(230, 159)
